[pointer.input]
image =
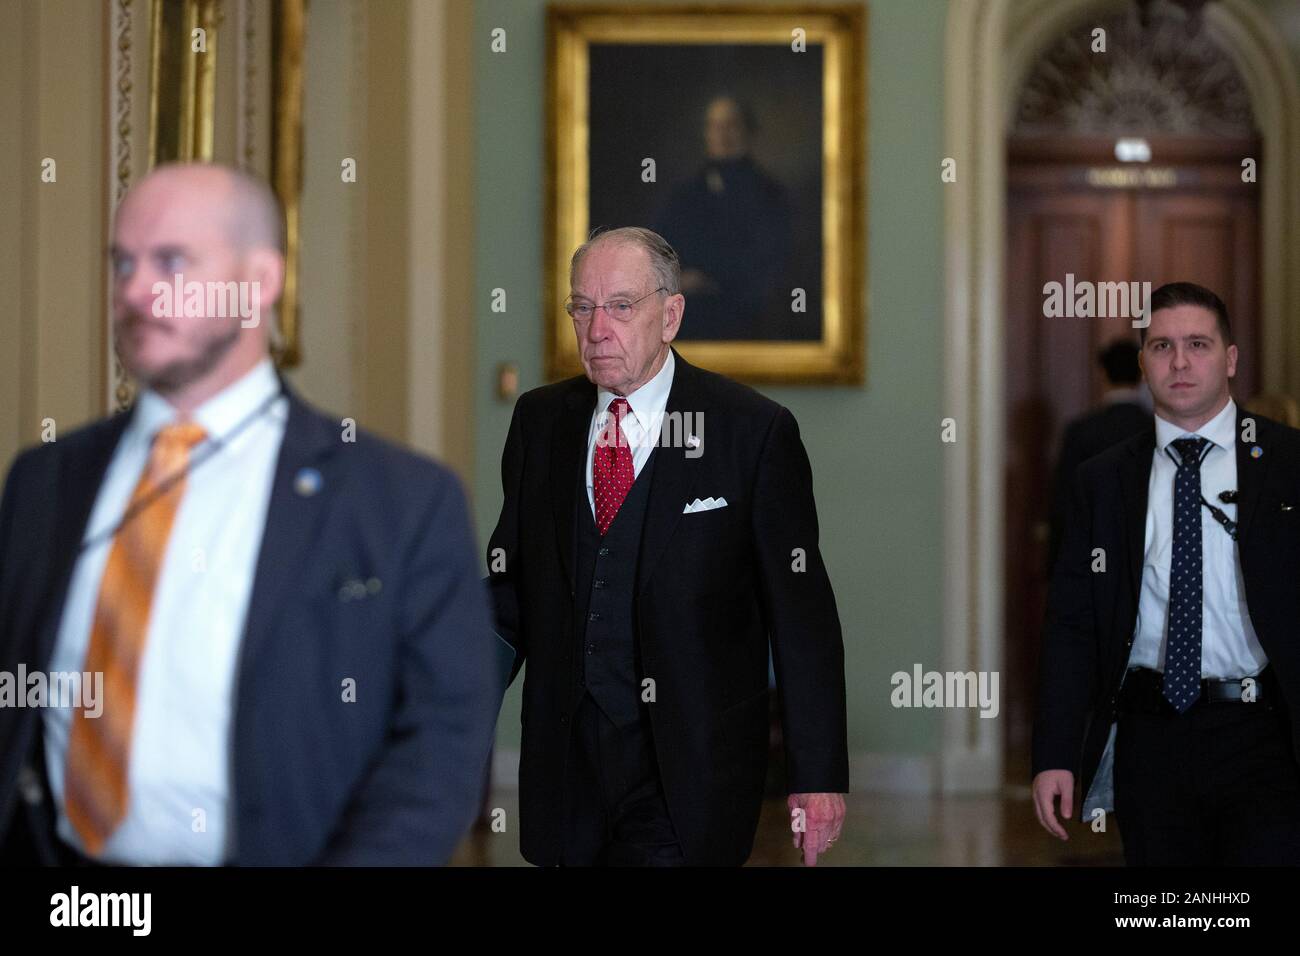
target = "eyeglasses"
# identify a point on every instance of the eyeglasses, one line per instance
(620, 309)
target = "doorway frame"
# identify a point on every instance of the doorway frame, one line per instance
(990, 45)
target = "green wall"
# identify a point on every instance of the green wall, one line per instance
(875, 450)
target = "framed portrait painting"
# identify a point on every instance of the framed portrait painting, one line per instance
(738, 134)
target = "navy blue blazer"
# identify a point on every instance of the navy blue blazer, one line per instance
(394, 777)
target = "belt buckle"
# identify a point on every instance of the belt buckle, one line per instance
(1237, 696)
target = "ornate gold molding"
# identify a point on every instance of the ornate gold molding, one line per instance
(182, 112)
(247, 97)
(182, 80)
(122, 389)
(288, 35)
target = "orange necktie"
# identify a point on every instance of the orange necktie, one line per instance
(99, 748)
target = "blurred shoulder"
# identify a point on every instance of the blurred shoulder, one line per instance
(82, 444)
(386, 467)
(1272, 435)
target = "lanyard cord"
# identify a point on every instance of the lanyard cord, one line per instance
(209, 448)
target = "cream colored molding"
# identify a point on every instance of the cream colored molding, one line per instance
(971, 754)
(989, 45)
(1257, 49)
(428, 168)
(439, 296)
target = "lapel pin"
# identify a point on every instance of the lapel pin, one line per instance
(1256, 452)
(307, 482)
(692, 441)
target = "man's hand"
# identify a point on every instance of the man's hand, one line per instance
(1048, 785)
(822, 819)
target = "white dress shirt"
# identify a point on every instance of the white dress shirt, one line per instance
(179, 773)
(1229, 647)
(641, 428)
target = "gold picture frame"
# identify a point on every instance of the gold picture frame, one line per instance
(183, 108)
(577, 33)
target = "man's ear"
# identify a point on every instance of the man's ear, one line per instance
(265, 266)
(1232, 361)
(674, 309)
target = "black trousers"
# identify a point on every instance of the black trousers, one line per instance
(1217, 785)
(615, 813)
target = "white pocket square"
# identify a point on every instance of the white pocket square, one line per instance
(708, 504)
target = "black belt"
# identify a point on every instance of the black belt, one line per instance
(1143, 692)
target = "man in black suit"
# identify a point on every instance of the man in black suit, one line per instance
(641, 564)
(1120, 416)
(285, 619)
(1171, 669)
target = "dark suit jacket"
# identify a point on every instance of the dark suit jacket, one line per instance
(1086, 436)
(712, 588)
(392, 778)
(1091, 616)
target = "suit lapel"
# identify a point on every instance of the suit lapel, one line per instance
(568, 461)
(1250, 475)
(675, 476)
(78, 488)
(1135, 480)
(293, 519)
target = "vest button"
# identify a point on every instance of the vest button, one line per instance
(603, 551)
(591, 648)
(593, 616)
(598, 583)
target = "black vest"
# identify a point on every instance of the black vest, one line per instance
(606, 589)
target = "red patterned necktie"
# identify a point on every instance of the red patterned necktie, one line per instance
(612, 473)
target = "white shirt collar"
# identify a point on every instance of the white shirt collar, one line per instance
(220, 413)
(647, 402)
(1221, 429)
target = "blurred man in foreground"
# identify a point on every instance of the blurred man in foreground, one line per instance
(285, 618)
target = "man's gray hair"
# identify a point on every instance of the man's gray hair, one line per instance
(663, 257)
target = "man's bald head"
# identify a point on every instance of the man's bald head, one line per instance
(246, 205)
(197, 254)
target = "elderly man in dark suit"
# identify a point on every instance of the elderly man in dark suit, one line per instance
(1171, 670)
(658, 532)
(292, 642)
